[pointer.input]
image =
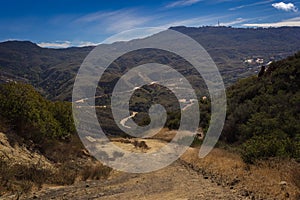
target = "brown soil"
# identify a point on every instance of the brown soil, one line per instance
(220, 175)
(173, 182)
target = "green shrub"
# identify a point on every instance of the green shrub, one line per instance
(32, 116)
(263, 113)
(263, 147)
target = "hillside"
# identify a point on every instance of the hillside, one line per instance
(237, 52)
(38, 143)
(51, 71)
(263, 112)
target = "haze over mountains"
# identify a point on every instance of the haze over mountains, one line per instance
(237, 52)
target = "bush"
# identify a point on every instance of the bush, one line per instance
(263, 147)
(96, 172)
(32, 116)
(66, 174)
(263, 113)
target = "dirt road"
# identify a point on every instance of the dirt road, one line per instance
(173, 182)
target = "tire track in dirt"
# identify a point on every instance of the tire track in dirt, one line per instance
(177, 181)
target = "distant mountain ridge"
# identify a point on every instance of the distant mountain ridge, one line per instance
(229, 45)
(52, 71)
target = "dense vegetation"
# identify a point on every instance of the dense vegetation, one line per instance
(33, 117)
(263, 112)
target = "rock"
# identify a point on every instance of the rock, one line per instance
(283, 183)
(234, 182)
(287, 195)
(245, 193)
(101, 194)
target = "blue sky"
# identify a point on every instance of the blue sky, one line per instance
(64, 23)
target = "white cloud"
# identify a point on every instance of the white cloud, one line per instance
(115, 21)
(147, 31)
(133, 34)
(234, 22)
(84, 44)
(288, 22)
(285, 6)
(11, 39)
(182, 3)
(197, 21)
(250, 5)
(56, 45)
(65, 44)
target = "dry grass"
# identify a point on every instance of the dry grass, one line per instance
(95, 172)
(295, 172)
(23, 170)
(261, 180)
(164, 134)
(21, 178)
(62, 152)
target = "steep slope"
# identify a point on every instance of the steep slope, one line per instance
(263, 112)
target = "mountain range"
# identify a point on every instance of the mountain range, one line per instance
(238, 52)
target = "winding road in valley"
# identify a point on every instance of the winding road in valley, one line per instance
(123, 121)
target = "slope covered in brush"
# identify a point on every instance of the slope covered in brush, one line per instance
(263, 112)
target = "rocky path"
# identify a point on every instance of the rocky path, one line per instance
(173, 182)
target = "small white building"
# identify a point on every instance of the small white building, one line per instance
(259, 61)
(249, 61)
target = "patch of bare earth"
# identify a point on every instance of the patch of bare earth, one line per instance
(177, 181)
(173, 182)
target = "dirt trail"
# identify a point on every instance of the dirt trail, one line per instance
(173, 182)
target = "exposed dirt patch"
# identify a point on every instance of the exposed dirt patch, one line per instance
(177, 181)
(173, 182)
(136, 145)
